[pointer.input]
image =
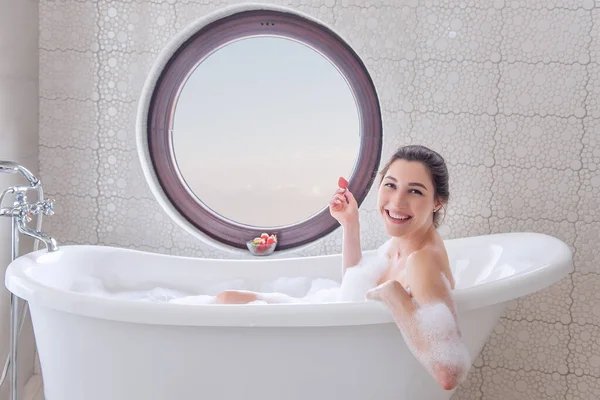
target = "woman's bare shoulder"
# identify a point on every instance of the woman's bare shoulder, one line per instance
(428, 266)
(430, 256)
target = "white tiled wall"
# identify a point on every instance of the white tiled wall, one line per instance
(506, 90)
(18, 142)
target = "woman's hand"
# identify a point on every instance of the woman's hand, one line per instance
(343, 208)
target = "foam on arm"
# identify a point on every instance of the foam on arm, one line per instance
(427, 321)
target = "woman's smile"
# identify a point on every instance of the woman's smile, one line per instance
(397, 217)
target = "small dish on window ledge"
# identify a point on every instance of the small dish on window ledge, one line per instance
(263, 245)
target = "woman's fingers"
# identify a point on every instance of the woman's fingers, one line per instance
(347, 195)
(337, 204)
(350, 197)
(341, 199)
(338, 199)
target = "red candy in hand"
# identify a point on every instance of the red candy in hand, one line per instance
(342, 183)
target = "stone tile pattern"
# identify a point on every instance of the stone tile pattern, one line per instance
(506, 90)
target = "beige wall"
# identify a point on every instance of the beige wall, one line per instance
(18, 142)
(506, 90)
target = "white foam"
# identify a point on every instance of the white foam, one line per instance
(323, 291)
(355, 283)
(291, 286)
(443, 346)
(331, 295)
(359, 279)
(199, 299)
(319, 284)
(259, 302)
(281, 290)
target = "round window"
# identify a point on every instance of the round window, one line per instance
(251, 122)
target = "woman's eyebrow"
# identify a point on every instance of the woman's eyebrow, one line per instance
(417, 184)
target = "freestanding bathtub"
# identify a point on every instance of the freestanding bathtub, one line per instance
(95, 348)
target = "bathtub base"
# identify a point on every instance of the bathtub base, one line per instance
(95, 359)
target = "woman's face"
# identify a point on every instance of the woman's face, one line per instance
(406, 198)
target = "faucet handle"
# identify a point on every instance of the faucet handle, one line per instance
(48, 207)
(24, 214)
(45, 207)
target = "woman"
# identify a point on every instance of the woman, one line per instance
(410, 273)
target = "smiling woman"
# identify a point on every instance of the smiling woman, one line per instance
(247, 125)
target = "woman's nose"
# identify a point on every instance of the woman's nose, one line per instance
(400, 197)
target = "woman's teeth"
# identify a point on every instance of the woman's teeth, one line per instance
(399, 217)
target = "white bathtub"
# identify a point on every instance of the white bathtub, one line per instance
(94, 348)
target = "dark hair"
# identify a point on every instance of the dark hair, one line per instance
(437, 171)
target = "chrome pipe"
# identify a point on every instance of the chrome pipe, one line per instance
(14, 320)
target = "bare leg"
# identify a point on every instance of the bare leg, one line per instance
(235, 297)
(245, 297)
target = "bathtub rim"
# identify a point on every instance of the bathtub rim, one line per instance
(274, 315)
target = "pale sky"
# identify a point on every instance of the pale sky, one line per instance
(263, 128)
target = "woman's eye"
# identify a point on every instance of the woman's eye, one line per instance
(416, 191)
(390, 185)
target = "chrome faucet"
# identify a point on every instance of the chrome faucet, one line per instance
(21, 210)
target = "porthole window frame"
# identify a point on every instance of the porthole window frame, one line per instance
(157, 114)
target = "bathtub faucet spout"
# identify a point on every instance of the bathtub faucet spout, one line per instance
(49, 241)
